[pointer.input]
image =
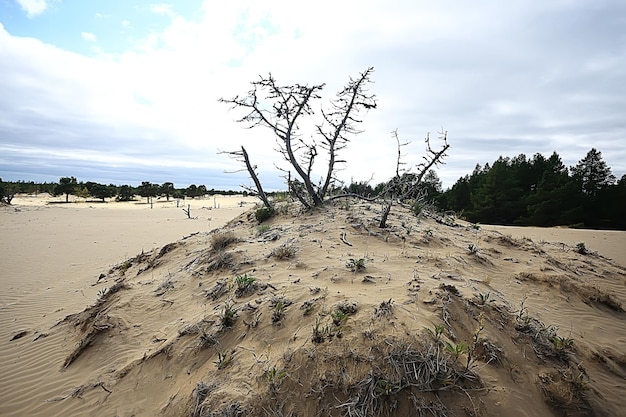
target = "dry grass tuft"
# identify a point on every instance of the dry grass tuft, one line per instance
(286, 251)
(220, 241)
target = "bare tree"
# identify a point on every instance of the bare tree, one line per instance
(242, 156)
(406, 183)
(281, 108)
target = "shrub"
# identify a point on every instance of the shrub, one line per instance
(263, 214)
(581, 248)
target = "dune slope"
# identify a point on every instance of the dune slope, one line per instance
(323, 313)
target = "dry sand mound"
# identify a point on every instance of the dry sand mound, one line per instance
(322, 313)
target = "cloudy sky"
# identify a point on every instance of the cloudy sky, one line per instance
(124, 91)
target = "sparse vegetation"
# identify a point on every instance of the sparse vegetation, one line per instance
(229, 314)
(246, 284)
(581, 248)
(285, 251)
(356, 265)
(224, 358)
(220, 241)
(472, 249)
(263, 214)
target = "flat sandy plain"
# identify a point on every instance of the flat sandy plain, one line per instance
(56, 258)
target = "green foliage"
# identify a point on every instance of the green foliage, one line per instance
(262, 229)
(540, 191)
(67, 186)
(436, 332)
(457, 349)
(229, 314)
(245, 284)
(483, 299)
(386, 388)
(224, 358)
(562, 344)
(148, 190)
(581, 248)
(274, 376)
(356, 265)
(278, 312)
(264, 213)
(339, 317)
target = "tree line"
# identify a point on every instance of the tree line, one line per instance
(71, 186)
(540, 192)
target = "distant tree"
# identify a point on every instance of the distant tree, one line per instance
(102, 191)
(192, 191)
(592, 173)
(148, 190)
(7, 192)
(201, 191)
(67, 186)
(167, 189)
(125, 193)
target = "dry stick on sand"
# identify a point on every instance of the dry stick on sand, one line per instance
(343, 239)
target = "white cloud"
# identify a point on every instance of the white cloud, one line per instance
(33, 7)
(162, 9)
(88, 36)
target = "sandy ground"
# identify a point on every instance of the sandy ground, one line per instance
(143, 359)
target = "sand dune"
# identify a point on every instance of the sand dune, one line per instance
(119, 309)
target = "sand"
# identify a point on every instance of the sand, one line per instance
(101, 315)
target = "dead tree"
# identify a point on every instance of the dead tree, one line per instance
(405, 183)
(242, 156)
(280, 108)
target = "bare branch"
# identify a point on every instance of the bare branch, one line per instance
(341, 119)
(242, 156)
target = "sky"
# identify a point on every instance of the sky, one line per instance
(125, 91)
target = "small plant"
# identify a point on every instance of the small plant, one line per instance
(385, 309)
(562, 344)
(386, 388)
(124, 267)
(279, 311)
(436, 332)
(338, 317)
(229, 314)
(483, 299)
(262, 229)
(245, 284)
(319, 332)
(356, 265)
(457, 350)
(472, 249)
(263, 214)
(581, 248)
(224, 358)
(475, 226)
(274, 377)
(428, 233)
(102, 293)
